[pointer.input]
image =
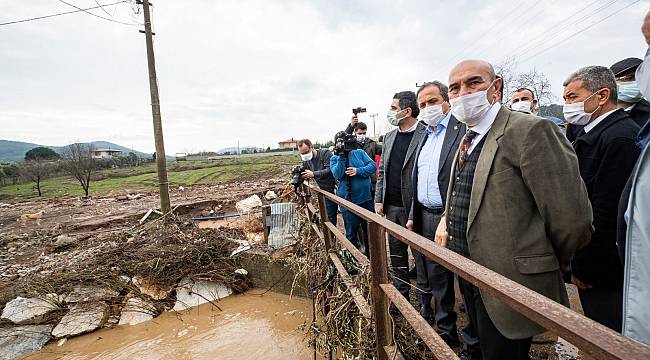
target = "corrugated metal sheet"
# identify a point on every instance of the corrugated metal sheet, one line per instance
(284, 225)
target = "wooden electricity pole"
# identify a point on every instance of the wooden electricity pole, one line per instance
(161, 161)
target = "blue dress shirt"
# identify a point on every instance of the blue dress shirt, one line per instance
(428, 163)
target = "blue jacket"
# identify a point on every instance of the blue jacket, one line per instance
(360, 183)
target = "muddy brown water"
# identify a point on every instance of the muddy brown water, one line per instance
(249, 327)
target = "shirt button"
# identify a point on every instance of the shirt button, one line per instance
(453, 193)
(451, 208)
(457, 177)
(451, 238)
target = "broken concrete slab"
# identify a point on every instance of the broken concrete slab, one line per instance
(270, 195)
(137, 311)
(81, 318)
(151, 289)
(247, 205)
(90, 293)
(23, 339)
(24, 311)
(191, 293)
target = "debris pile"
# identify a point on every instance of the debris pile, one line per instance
(119, 278)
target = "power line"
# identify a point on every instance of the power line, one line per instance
(98, 16)
(104, 10)
(581, 31)
(59, 14)
(545, 38)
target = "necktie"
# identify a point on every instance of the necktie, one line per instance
(465, 145)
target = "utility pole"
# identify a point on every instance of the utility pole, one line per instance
(161, 161)
(374, 129)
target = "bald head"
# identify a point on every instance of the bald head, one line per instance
(470, 76)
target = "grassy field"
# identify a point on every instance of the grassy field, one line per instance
(144, 178)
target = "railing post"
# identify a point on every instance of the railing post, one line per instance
(323, 219)
(379, 275)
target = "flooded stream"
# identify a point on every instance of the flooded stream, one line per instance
(249, 327)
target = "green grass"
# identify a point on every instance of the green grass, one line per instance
(144, 178)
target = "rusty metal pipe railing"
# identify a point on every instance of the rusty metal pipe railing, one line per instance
(588, 335)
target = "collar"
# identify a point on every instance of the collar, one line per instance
(443, 124)
(488, 119)
(629, 108)
(411, 129)
(597, 121)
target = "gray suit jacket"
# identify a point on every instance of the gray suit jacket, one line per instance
(528, 213)
(407, 167)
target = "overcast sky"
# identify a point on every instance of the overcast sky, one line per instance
(264, 71)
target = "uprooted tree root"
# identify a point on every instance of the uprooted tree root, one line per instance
(340, 327)
(164, 253)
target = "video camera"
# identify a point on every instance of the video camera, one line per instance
(345, 143)
(296, 175)
(358, 110)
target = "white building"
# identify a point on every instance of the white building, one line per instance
(104, 153)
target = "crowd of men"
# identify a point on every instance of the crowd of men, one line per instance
(539, 203)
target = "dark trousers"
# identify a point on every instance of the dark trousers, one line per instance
(603, 305)
(436, 283)
(493, 345)
(332, 211)
(399, 258)
(352, 223)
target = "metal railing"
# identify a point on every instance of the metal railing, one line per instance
(589, 336)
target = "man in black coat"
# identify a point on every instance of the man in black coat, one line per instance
(607, 151)
(630, 98)
(431, 173)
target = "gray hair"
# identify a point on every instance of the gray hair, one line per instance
(444, 90)
(595, 78)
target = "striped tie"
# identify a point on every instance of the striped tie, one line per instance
(464, 147)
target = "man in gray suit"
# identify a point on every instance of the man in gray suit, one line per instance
(393, 194)
(512, 206)
(431, 173)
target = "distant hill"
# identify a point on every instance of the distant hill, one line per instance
(233, 150)
(11, 151)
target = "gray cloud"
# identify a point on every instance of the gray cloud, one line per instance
(260, 72)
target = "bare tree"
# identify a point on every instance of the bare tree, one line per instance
(36, 171)
(79, 163)
(538, 83)
(507, 71)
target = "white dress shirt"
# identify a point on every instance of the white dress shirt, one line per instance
(597, 121)
(484, 125)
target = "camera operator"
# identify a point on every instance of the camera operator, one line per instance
(370, 146)
(352, 167)
(317, 167)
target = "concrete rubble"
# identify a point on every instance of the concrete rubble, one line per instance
(190, 293)
(82, 318)
(270, 195)
(247, 205)
(23, 339)
(137, 311)
(24, 311)
(90, 293)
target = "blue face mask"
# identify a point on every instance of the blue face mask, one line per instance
(629, 92)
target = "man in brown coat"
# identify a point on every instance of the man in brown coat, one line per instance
(516, 205)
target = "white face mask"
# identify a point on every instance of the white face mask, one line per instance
(523, 106)
(308, 156)
(575, 113)
(392, 117)
(361, 138)
(471, 108)
(432, 115)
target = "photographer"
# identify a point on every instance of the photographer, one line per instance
(352, 167)
(370, 146)
(317, 166)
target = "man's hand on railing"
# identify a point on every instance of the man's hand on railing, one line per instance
(379, 209)
(409, 225)
(580, 284)
(441, 232)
